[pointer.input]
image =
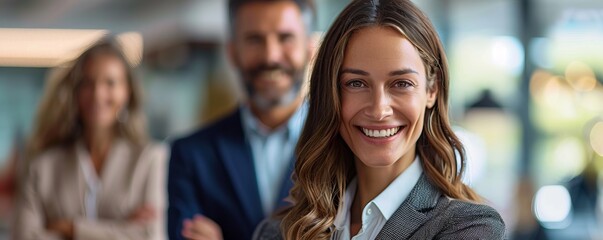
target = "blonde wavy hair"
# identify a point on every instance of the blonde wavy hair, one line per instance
(323, 167)
(58, 121)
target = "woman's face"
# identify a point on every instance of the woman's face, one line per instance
(384, 96)
(103, 91)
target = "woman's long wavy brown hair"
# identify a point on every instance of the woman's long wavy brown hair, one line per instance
(58, 121)
(324, 165)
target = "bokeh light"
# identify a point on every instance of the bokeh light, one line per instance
(580, 76)
(552, 206)
(596, 138)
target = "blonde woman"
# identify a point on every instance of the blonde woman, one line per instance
(94, 174)
(376, 158)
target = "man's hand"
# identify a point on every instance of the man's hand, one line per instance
(201, 228)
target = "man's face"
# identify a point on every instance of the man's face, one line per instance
(270, 48)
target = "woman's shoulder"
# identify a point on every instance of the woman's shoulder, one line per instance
(149, 151)
(49, 157)
(44, 167)
(152, 157)
(473, 219)
(268, 229)
(467, 208)
(155, 148)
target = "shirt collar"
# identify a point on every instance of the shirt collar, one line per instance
(342, 213)
(398, 190)
(293, 126)
(387, 201)
(119, 147)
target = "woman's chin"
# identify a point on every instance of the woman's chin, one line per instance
(100, 124)
(379, 162)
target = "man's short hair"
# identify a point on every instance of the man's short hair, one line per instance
(306, 7)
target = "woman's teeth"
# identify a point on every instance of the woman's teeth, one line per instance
(380, 133)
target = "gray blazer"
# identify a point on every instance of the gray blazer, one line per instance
(425, 214)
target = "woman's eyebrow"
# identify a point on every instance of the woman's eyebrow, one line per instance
(403, 72)
(392, 73)
(354, 71)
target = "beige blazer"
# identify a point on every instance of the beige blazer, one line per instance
(56, 189)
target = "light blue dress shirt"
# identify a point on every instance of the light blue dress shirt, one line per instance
(272, 152)
(380, 209)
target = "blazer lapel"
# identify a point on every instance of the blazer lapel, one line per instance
(238, 161)
(412, 213)
(79, 154)
(119, 168)
(286, 185)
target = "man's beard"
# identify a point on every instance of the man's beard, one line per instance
(263, 103)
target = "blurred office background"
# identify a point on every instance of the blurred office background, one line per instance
(526, 89)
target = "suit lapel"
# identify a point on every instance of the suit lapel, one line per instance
(238, 161)
(119, 168)
(286, 185)
(80, 181)
(412, 214)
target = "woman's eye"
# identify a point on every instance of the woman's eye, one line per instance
(355, 84)
(403, 84)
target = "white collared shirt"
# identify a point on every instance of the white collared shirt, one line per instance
(272, 152)
(92, 180)
(380, 209)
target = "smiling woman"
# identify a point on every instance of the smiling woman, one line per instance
(92, 172)
(377, 156)
(383, 100)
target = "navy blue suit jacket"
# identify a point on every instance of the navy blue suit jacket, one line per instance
(211, 172)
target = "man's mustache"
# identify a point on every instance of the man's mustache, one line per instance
(255, 72)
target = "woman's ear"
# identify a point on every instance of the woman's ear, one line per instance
(432, 95)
